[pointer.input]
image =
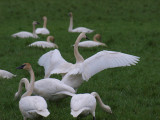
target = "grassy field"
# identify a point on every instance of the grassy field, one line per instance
(127, 26)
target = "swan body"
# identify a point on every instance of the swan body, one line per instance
(85, 69)
(79, 29)
(31, 106)
(45, 44)
(53, 61)
(52, 89)
(44, 30)
(84, 104)
(92, 43)
(25, 34)
(6, 74)
(49, 88)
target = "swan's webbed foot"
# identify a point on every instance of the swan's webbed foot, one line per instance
(94, 118)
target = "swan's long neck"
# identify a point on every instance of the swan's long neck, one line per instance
(45, 23)
(94, 39)
(103, 106)
(26, 83)
(48, 40)
(34, 27)
(31, 85)
(70, 24)
(77, 55)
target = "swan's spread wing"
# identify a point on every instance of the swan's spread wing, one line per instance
(43, 44)
(106, 59)
(43, 31)
(53, 61)
(6, 74)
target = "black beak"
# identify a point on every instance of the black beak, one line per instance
(20, 67)
(38, 23)
(87, 38)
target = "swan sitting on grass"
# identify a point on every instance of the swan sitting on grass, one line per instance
(45, 44)
(25, 34)
(31, 106)
(6, 74)
(92, 43)
(84, 104)
(44, 30)
(78, 29)
(49, 88)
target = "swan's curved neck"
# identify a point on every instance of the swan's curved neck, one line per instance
(70, 24)
(31, 85)
(94, 39)
(77, 55)
(34, 27)
(45, 23)
(103, 106)
(25, 82)
(48, 40)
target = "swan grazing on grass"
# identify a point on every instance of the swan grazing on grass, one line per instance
(84, 104)
(45, 44)
(53, 60)
(78, 29)
(44, 30)
(6, 74)
(31, 106)
(92, 43)
(85, 69)
(49, 88)
(25, 34)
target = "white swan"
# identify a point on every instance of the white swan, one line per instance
(49, 88)
(6, 74)
(79, 29)
(31, 106)
(92, 43)
(45, 44)
(25, 34)
(84, 104)
(44, 30)
(53, 61)
(84, 69)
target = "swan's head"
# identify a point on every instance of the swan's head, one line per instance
(25, 66)
(107, 109)
(35, 23)
(50, 38)
(83, 35)
(44, 18)
(97, 36)
(70, 14)
(16, 96)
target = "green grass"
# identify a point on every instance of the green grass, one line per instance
(128, 26)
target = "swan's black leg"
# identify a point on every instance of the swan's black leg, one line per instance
(94, 118)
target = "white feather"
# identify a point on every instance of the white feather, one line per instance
(53, 62)
(90, 44)
(33, 106)
(52, 89)
(43, 44)
(82, 29)
(6, 74)
(43, 31)
(104, 60)
(25, 34)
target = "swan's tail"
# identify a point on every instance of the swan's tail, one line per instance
(103, 106)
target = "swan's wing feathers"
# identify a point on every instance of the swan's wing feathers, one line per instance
(106, 59)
